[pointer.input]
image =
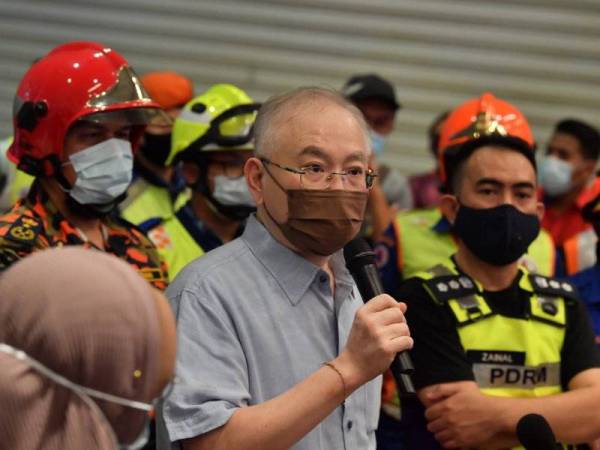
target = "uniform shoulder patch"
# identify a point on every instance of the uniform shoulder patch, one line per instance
(553, 287)
(24, 230)
(447, 287)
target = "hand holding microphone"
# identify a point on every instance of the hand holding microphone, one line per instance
(379, 335)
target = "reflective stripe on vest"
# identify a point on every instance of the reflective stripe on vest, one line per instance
(580, 251)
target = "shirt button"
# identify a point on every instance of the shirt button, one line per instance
(349, 425)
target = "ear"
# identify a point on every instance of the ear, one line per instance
(190, 172)
(253, 171)
(449, 207)
(589, 168)
(540, 210)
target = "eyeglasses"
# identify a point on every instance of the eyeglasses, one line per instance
(314, 176)
(59, 379)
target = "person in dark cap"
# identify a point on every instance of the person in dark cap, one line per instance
(376, 98)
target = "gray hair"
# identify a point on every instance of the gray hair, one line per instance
(283, 107)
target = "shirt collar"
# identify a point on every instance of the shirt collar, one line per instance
(292, 272)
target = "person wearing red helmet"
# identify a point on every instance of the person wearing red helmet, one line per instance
(507, 342)
(78, 114)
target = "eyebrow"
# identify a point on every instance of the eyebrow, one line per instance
(321, 153)
(496, 183)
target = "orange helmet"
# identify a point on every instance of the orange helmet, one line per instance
(77, 80)
(481, 121)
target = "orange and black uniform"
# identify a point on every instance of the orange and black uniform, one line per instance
(34, 223)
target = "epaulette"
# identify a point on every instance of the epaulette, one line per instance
(447, 287)
(24, 230)
(552, 287)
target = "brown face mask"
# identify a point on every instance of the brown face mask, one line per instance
(322, 221)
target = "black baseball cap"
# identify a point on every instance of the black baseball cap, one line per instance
(362, 87)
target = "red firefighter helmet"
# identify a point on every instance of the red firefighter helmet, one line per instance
(75, 81)
(481, 121)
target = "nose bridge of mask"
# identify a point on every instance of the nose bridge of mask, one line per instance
(105, 151)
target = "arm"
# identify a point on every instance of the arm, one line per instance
(379, 331)
(461, 416)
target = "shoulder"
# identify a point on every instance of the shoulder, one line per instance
(554, 287)
(20, 234)
(21, 226)
(224, 268)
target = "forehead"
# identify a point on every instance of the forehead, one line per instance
(84, 126)
(501, 164)
(566, 142)
(325, 125)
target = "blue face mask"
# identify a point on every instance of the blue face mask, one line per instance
(554, 176)
(377, 142)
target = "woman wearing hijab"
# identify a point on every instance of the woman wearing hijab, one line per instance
(86, 345)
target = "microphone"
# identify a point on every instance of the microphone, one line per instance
(360, 261)
(534, 433)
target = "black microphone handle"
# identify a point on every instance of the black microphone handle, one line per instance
(369, 285)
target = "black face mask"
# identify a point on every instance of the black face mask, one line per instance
(498, 236)
(156, 148)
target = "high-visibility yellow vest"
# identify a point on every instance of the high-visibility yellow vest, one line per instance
(146, 201)
(420, 246)
(175, 245)
(511, 357)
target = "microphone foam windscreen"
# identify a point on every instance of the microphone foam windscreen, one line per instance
(358, 252)
(534, 433)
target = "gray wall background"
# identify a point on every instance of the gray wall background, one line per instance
(542, 55)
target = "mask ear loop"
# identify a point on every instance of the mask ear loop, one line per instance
(83, 392)
(61, 381)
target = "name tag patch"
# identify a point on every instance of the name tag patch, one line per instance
(516, 376)
(496, 357)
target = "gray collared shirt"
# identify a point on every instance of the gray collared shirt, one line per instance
(253, 320)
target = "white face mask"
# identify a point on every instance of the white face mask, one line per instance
(377, 142)
(555, 176)
(232, 191)
(104, 172)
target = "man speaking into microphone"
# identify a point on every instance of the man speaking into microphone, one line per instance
(276, 349)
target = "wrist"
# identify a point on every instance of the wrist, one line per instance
(350, 371)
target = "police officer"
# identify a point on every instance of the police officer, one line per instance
(212, 138)
(79, 112)
(415, 241)
(493, 341)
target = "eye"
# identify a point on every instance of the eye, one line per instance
(355, 172)
(313, 169)
(524, 195)
(487, 191)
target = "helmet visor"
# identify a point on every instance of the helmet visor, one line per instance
(130, 116)
(232, 128)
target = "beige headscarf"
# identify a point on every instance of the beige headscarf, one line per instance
(91, 318)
